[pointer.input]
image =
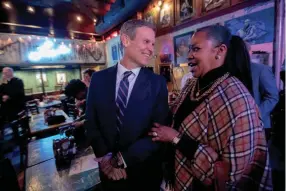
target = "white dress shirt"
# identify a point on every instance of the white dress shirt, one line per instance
(131, 79)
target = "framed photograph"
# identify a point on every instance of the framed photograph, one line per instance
(165, 18)
(209, 5)
(150, 16)
(61, 78)
(166, 14)
(39, 80)
(184, 10)
(182, 44)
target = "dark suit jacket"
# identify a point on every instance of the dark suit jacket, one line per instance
(148, 103)
(15, 90)
(265, 92)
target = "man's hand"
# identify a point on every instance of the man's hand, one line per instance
(117, 174)
(5, 98)
(109, 170)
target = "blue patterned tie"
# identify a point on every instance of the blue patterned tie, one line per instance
(121, 99)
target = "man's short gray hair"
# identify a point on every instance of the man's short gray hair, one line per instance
(129, 27)
(8, 68)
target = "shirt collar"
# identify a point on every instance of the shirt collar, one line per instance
(121, 69)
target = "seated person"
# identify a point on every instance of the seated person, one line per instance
(78, 90)
(87, 76)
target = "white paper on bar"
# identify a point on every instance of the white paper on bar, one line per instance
(83, 164)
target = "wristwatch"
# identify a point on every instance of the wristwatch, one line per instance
(176, 140)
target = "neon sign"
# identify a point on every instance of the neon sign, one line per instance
(47, 50)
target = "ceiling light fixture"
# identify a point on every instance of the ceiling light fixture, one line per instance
(7, 5)
(78, 18)
(30, 9)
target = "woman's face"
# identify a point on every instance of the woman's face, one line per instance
(87, 78)
(202, 55)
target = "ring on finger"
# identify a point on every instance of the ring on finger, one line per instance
(155, 134)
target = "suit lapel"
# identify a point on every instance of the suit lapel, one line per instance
(110, 92)
(140, 92)
(141, 89)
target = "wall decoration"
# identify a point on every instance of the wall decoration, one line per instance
(255, 28)
(17, 49)
(114, 52)
(9, 49)
(213, 4)
(182, 43)
(185, 9)
(260, 57)
(39, 80)
(150, 16)
(61, 78)
(165, 17)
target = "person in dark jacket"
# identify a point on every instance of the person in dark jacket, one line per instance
(12, 95)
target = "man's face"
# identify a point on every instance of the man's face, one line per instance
(7, 74)
(140, 49)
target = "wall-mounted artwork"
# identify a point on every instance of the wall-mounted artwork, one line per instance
(182, 43)
(165, 17)
(17, 49)
(185, 9)
(150, 16)
(114, 52)
(260, 57)
(39, 80)
(209, 5)
(255, 28)
(61, 78)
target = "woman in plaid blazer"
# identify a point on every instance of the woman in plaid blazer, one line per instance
(217, 134)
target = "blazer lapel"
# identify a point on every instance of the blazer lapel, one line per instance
(110, 92)
(141, 89)
(140, 92)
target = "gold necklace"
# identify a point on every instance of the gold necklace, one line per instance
(214, 85)
(199, 90)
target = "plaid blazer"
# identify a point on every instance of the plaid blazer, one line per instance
(228, 127)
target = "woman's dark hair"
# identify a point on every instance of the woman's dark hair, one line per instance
(237, 60)
(89, 71)
(74, 87)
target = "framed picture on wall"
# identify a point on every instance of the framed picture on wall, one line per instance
(61, 78)
(210, 5)
(166, 14)
(39, 80)
(165, 18)
(150, 16)
(184, 9)
(182, 44)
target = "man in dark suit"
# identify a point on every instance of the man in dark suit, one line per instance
(12, 97)
(265, 92)
(12, 94)
(123, 102)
